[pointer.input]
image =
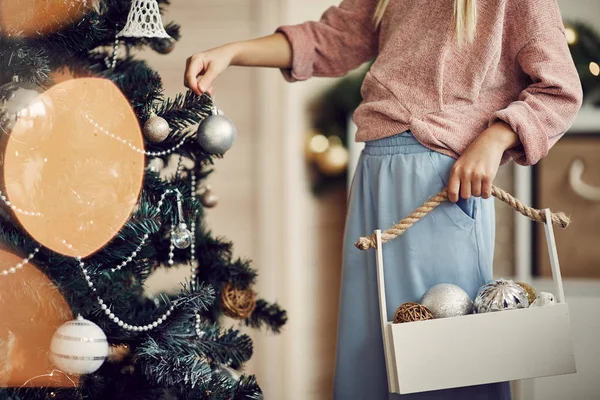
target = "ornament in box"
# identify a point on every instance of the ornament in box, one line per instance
(530, 290)
(447, 300)
(500, 295)
(412, 312)
(544, 299)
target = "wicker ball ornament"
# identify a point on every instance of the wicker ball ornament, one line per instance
(237, 303)
(530, 290)
(412, 312)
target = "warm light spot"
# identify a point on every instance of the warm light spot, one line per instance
(571, 34)
(594, 68)
(318, 144)
(39, 17)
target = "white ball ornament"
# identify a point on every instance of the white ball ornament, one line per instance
(446, 300)
(78, 347)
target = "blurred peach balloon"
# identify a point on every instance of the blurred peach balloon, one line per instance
(82, 181)
(31, 309)
(29, 17)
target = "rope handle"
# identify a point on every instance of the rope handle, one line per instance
(370, 242)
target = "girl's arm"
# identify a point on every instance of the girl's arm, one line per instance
(546, 109)
(270, 51)
(528, 127)
(342, 40)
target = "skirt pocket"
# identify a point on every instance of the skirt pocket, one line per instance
(464, 212)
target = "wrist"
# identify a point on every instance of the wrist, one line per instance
(502, 135)
(233, 52)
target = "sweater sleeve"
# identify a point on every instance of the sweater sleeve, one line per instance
(546, 109)
(342, 40)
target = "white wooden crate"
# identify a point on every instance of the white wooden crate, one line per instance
(478, 348)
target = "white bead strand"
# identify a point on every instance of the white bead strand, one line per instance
(132, 146)
(21, 264)
(17, 209)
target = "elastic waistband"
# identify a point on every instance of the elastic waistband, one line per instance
(402, 143)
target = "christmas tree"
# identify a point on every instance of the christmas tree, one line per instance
(89, 213)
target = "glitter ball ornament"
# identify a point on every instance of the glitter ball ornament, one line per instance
(208, 198)
(447, 300)
(181, 236)
(499, 295)
(156, 129)
(21, 101)
(216, 134)
(412, 312)
(78, 347)
(530, 290)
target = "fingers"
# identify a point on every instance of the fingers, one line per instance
(454, 185)
(211, 73)
(476, 184)
(486, 188)
(194, 67)
(464, 183)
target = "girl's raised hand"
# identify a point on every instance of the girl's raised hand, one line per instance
(202, 69)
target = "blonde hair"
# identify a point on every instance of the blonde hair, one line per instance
(465, 17)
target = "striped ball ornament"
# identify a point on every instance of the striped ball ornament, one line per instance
(78, 347)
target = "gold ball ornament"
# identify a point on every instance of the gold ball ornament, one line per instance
(334, 160)
(530, 290)
(237, 303)
(208, 198)
(412, 312)
(156, 129)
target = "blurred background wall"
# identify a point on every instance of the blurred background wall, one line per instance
(266, 205)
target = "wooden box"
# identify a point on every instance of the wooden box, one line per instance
(478, 348)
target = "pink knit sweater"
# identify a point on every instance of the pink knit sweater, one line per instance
(518, 70)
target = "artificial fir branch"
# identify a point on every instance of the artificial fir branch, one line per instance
(267, 315)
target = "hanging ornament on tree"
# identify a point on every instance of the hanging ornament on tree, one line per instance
(228, 372)
(216, 133)
(447, 300)
(144, 21)
(207, 197)
(156, 129)
(181, 235)
(163, 46)
(78, 347)
(500, 295)
(22, 101)
(237, 303)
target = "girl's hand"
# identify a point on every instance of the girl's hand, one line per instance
(475, 170)
(208, 66)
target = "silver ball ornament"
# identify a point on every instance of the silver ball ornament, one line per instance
(181, 237)
(447, 300)
(78, 347)
(156, 129)
(499, 295)
(216, 134)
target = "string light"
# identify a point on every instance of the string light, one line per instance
(594, 68)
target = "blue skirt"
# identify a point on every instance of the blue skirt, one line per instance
(453, 244)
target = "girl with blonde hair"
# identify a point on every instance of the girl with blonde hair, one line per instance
(457, 88)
